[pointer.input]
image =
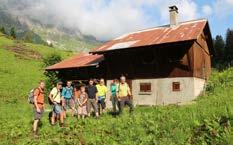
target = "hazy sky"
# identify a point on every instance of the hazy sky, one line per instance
(106, 19)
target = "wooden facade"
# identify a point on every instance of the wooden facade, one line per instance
(183, 59)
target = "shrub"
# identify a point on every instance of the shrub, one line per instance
(211, 131)
(12, 32)
(2, 29)
(51, 76)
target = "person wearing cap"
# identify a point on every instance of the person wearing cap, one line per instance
(57, 103)
(124, 95)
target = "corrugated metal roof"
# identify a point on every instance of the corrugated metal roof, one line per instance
(184, 31)
(80, 60)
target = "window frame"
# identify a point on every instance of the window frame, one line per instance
(145, 87)
(176, 86)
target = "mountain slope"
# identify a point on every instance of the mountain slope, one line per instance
(37, 32)
(23, 32)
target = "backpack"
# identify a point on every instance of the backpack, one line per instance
(70, 90)
(50, 102)
(31, 96)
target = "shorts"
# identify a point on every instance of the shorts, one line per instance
(57, 109)
(38, 115)
(101, 102)
(69, 103)
(100, 98)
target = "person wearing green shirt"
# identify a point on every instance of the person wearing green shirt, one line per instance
(114, 89)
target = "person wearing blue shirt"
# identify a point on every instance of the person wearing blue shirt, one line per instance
(67, 94)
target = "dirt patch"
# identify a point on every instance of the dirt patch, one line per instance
(23, 53)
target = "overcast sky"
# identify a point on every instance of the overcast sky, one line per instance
(106, 19)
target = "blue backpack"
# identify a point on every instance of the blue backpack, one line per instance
(69, 90)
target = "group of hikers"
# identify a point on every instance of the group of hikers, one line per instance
(80, 99)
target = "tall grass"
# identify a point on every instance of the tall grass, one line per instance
(199, 123)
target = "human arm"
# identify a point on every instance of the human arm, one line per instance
(85, 101)
(106, 93)
(79, 103)
(63, 103)
(96, 94)
(73, 95)
(63, 92)
(129, 93)
(117, 92)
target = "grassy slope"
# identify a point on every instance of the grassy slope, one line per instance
(149, 125)
(19, 74)
(64, 41)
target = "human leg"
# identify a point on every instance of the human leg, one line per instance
(37, 118)
(79, 111)
(121, 104)
(103, 105)
(130, 104)
(89, 105)
(95, 107)
(114, 103)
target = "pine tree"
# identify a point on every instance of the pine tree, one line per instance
(12, 32)
(229, 47)
(219, 48)
(2, 29)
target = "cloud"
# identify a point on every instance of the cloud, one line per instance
(223, 8)
(230, 1)
(105, 19)
(207, 10)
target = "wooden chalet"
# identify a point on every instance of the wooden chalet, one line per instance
(164, 65)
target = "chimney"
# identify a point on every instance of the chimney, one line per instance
(173, 16)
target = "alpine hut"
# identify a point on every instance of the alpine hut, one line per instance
(168, 64)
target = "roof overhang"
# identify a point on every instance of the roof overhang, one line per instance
(79, 61)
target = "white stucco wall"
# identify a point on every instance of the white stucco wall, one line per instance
(199, 85)
(162, 93)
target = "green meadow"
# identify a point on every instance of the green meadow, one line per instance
(208, 120)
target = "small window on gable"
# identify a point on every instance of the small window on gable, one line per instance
(176, 86)
(145, 87)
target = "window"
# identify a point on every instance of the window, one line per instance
(145, 87)
(176, 86)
